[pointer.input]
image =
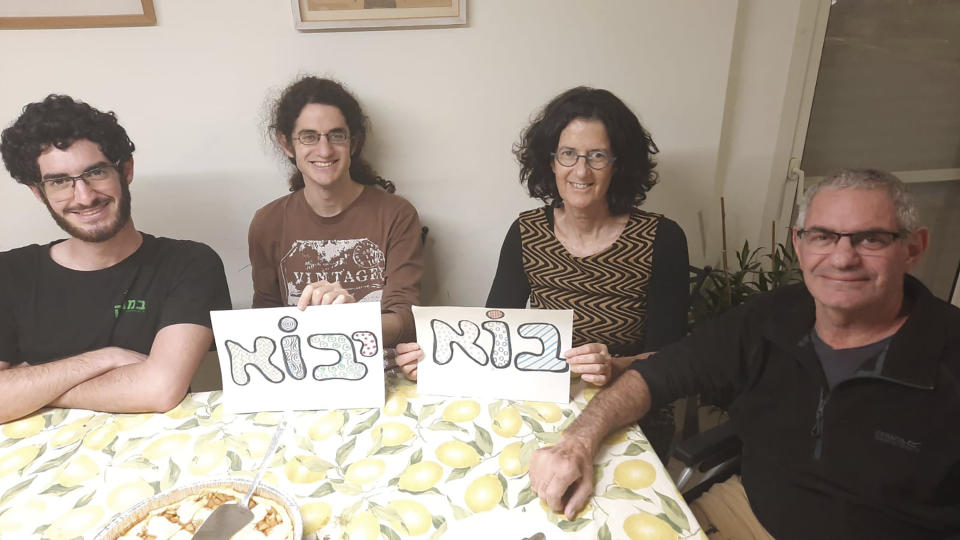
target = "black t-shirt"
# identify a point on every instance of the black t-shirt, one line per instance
(48, 312)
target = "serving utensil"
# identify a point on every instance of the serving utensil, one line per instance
(227, 519)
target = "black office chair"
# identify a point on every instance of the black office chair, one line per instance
(708, 458)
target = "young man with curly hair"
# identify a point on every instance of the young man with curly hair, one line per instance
(109, 319)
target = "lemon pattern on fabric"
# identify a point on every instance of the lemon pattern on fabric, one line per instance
(23, 428)
(315, 516)
(483, 493)
(392, 433)
(634, 474)
(507, 422)
(364, 526)
(327, 425)
(548, 412)
(420, 476)
(18, 459)
(305, 469)
(414, 517)
(76, 471)
(457, 454)
(414, 468)
(365, 471)
(648, 527)
(510, 462)
(463, 410)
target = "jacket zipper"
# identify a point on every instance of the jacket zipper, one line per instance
(817, 430)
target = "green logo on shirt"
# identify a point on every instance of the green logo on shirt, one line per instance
(130, 305)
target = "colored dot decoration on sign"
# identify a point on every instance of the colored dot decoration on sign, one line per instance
(287, 324)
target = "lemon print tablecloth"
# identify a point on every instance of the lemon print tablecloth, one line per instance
(416, 468)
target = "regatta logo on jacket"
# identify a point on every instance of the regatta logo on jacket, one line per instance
(896, 440)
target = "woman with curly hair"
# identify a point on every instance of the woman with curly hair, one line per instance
(590, 248)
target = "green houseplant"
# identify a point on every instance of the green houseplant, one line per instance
(717, 290)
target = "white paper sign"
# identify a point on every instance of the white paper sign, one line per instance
(275, 359)
(494, 353)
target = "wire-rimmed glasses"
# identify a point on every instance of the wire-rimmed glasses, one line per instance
(823, 240)
(596, 159)
(334, 136)
(61, 187)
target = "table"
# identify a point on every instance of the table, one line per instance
(417, 468)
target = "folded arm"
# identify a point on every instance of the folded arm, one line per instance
(24, 388)
(157, 384)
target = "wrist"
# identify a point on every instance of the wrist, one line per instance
(584, 442)
(620, 364)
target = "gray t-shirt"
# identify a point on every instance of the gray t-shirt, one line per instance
(842, 364)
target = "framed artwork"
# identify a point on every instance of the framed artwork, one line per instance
(22, 14)
(353, 14)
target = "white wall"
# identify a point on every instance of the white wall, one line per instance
(445, 105)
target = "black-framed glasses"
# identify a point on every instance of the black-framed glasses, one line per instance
(334, 136)
(824, 240)
(62, 187)
(596, 159)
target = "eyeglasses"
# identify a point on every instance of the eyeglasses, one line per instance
(334, 136)
(824, 240)
(62, 187)
(596, 159)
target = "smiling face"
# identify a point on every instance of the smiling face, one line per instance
(579, 186)
(324, 165)
(88, 214)
(848, 280)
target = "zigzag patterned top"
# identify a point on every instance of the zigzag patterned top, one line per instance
(606, 290)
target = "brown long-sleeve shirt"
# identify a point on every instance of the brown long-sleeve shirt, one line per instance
(372, 248)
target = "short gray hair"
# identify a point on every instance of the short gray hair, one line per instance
(907, 217)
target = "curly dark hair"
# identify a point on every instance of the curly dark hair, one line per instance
(306, 90)
(59, 121)
(633, 174)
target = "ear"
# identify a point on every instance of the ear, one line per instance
(356, 144)
(917, 243)
(37, 193)
(126, 171)
(285, 145)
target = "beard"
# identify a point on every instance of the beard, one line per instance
(103, 232)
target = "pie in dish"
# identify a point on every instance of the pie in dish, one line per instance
(181, 519)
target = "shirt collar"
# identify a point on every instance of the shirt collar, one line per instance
(915, 350)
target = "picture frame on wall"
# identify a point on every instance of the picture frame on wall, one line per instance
(361, 14)
(31, 14)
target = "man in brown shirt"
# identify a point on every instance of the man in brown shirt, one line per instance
(336, 238)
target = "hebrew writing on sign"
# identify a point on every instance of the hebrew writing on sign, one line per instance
(276, 359)
(494, 353)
